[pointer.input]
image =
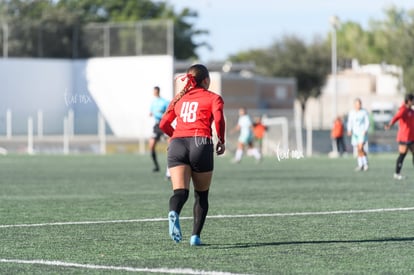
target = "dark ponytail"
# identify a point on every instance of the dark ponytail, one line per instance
(195, 76)
(408, 97)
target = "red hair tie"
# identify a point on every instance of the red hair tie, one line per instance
(191, 82)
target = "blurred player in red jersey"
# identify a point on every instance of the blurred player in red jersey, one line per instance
(405, 135)
(191, 148)
(259, 130)
(337, 134)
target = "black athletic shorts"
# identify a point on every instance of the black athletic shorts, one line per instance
(197, 152)
(408, 143)
(157, 133)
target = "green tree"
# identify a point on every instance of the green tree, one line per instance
(32, 21)
(36, 28)
(390, 40)
(355, 42)
(395, 35)
(293, 57)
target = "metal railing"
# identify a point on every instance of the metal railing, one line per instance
(31, 39)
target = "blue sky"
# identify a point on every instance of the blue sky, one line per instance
(237, 25)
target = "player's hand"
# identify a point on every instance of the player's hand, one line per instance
(220, 148)
(387, 127)
(349, 133)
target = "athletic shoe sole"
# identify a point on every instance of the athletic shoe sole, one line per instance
(174, 226)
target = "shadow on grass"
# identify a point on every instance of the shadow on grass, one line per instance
(249, 245)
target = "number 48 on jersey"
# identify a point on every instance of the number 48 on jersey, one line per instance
(189, 111)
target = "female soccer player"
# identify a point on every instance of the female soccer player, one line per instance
(337, 134)
(259, 130)
(358, 125)
(405, 135)
(245, 126)
(190, 151)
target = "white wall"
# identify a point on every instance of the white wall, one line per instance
(121, 87)
(27, 85)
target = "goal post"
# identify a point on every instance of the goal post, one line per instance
(273, 141)
(283, 135)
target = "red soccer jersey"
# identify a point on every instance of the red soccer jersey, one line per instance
(405, 117)
(195, 113)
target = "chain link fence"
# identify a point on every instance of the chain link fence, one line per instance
(48, 40)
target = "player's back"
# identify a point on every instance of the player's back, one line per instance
(195, 113)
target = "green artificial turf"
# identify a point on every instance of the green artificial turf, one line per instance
(304, 233)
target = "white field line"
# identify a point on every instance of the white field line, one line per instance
(363, 211)
(116, 268)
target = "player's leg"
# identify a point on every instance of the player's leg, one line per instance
(253, 151)
(180, 180)
(239, 151)
(202, 163)
(340, 145)
(362, 157)
(337, 149)
(355, 145)
(361, 152)
(156, 136)
(402, 150)
(152, 145)
(201, 183)
(260, 145)
(410, 146)
(343, 145)
(180, 172)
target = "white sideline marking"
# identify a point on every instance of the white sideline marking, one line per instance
(85, 222)
(117, 268)
(378, 210)
(315, 213)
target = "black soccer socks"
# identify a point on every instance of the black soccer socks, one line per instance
(200, 211)
(400, 161)
(178, 200)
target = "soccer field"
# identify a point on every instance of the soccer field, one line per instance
(107, 215)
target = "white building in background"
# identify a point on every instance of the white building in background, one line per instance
(120, 88)
(380, 87)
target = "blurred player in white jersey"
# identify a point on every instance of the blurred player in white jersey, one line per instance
(245, 126)
(358, 125)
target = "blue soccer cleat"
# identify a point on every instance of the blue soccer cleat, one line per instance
(174, 226)
(195, 240)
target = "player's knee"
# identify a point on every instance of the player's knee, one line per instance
(178, 199)
(401, 156)
(181, 194)
(201, 198)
